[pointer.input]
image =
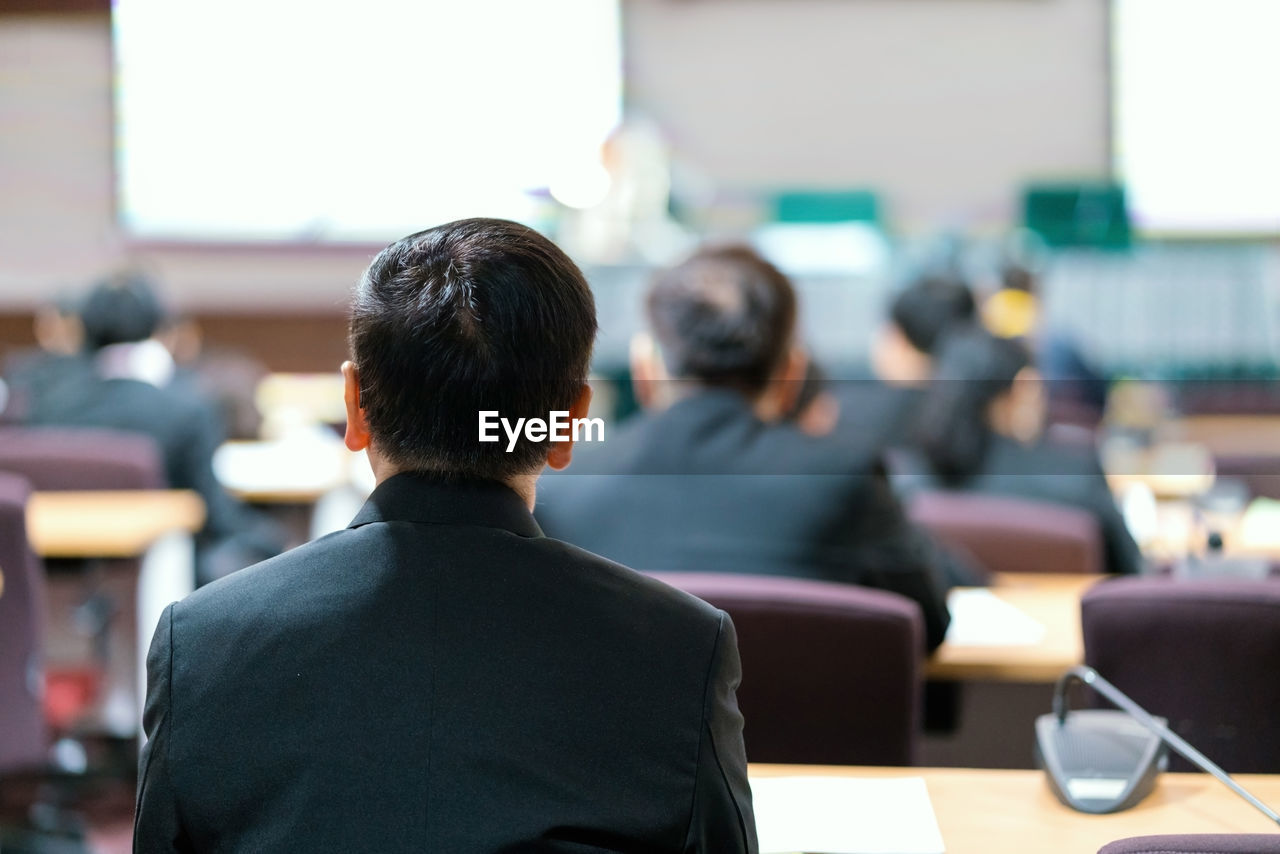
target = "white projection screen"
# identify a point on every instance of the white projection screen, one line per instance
(1196, 111)
(316, 120)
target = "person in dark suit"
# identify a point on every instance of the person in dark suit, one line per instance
(440, 676)
(920, 315)
(126, 384)
(980, 429)
(713, 478)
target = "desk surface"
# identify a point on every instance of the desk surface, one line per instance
(1014, 811)
(1051, 600)
(108, 524)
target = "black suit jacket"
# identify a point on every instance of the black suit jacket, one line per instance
(1043, 472)
(706, 486)
(441, 677)
(186, 429)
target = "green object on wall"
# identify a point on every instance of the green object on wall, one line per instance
(1090, 215)
(816, 206)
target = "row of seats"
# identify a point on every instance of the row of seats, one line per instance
(1200, 653)
(804, 707)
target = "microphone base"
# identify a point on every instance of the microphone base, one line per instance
(1099, 761)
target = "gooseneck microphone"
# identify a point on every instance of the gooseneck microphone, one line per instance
(1099, 761)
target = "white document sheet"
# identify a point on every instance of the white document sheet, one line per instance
(980, 618)
(842, 815)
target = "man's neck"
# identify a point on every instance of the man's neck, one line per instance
(524, 485)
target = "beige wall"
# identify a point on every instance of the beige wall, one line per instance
(945, 105)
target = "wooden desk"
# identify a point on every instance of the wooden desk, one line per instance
(108, 524)
(1051, 600)
(1231, 434)
(1014, 811)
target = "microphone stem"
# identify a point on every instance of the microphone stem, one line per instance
(1090, 677)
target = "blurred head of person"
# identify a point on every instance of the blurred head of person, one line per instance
(121, 309)
(723, 318)
(920, 316)
(1012, 311)
(473, 315)
(120, 317)
(57, 325)
(983, 386)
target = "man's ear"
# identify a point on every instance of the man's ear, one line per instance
(647, 370)
(561, 453)
(357, 435)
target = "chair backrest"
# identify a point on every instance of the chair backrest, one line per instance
(831, 673)
(1012, 534)
(22, 604)
(1204, 654)
(1196, 843)
(55, 458)
(1259, 472)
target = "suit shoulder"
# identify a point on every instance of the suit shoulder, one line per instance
(640, 590)
(262, 586)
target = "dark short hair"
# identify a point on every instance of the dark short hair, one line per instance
(931, 306)
(120, 309)
(478, 314)
(972, 368)
(725, 316)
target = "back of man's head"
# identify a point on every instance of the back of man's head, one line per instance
(122, 309)
(930, 307)
(725, 316)
(474, 315)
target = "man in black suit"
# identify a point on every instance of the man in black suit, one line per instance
(440, 676)
(713, 478)
(123, 381)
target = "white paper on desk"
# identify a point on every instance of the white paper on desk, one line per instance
(845, 815)
(980, 618)
(313, 462)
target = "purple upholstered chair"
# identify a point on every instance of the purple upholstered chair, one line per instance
(1197, 843)
(23, 742)
(1203, 653)
(1012, 534)
(65, 458)
(831, 673)
(1260, 472)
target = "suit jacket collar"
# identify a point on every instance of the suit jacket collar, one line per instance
(411, 497)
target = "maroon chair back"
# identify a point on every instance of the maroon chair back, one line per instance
(831, 673)
(1259, 472)
(1205, 654)
(56, 459)
(1012, 534)
(1196, 843)
(23, 740)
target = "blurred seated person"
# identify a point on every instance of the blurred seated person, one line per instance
(35, 375)
(980, 428)
(882, 409)
(128, 387)
(1077, 391)
(712, 478)
(226, 378)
